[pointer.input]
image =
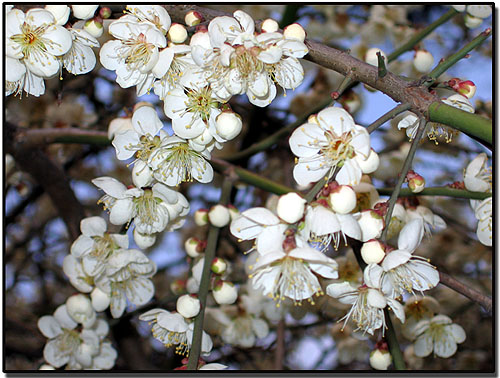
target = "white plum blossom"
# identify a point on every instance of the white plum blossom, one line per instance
(329, 141)
(484, 214)
(175, 161)
(153, 209)
(60, 12)
(73, 269)
(478, 175)
(368, 303)
(75, 347)
(127, 276)
(134, 53)
(438, 334)
(402, 271)
(154, 14)
(95, 245)
(80, 59)
(241, 330)
(172, 329)
(431, 221)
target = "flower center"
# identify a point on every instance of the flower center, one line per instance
(103, 246)
(146, 145)
(246, 62)
(136, 52)
(69, 341)
(147, 207)
(201, 103)
(337, 148)
(31, 39)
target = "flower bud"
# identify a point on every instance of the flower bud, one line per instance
(80, 309)
(233, 211)
(479, 11)
(201, 217)
(60, 12)
(372, 58)
(188, 305)
(416, 183)
(472, 22)
(380, 359)
(295, 31)
(193, 18)
(423, 61)
(177, 33)
(370, 164)
(342, 199)
(100, 300)
(269, 26)
(371, 225)
(178, 286)
(143, 241)
(466, 88)
(105, 12)
(225, 292)
(291, 207)
(228, 125)
(194, 247)
(94, 28)
(372, 252)
(200, 38)
(219, 266)
(192, 286)
(219, 216)
(84, 12)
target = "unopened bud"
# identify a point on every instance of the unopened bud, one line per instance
(342, 199)
(94, 28)
(472, 22)
(225, 292)
(80, 309)
(177, 33)
(467, 88)
(100, 300)
(84, 12)
(233, 212)
(228, 125)
(295, 31)
(201, 217)
(416, 183)
(423, 61)
(372, 252)
(371, 56)
(291, 207)
(105, 12)
(371, 225)
(219, 266)
(380, 359)
(188, 305)
(370, 164)
(219, 216)
(193, 18)
(269, 25)
(194, 247)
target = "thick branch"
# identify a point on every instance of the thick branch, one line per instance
(49, 175)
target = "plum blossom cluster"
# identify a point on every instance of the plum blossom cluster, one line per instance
(478, 178)
(76, 337)
(38, 46)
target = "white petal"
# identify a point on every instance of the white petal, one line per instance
(307, 172)
(81, 246)
(304, 139)
(411, 235)
(52, 354)
(49, 326)
(423, 345)
(445, 346)
(270, 238)
(395, 258)
(457, 332)
(172, 321)
(140, 291)
(122, 211)
(260, 327)
(63, 318)
(146, 121)
(397, 308)
(111, 186)
(349, 226)
(349, 174)
(93, 226)
(375, 298)
(343, 291)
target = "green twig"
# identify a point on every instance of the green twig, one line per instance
(289, 15)
(275, 137)
(250, 177)
(316, 188)
(387, 116)
(213, 235)
(392, 342)
(407, 46)
(443, 66)
(402, 177)
(382, 69)
(438, 191)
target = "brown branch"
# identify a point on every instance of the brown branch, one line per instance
(279, 354)
(49, 175)
(466, 291)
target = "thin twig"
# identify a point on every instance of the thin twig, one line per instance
(437, 191)
(402, 176)
(466, 291)
(213, 236)
(387, 116)
(392, 342)
(279, 354)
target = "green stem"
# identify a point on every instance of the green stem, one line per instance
(249, 177)
(289, 15)
(451, 60)
(407, 46)
(392, 342)
(472, 124)
(316, 188)
(387, 116)
(213, 235)
(437, 191)
(402, 177)
(275, 137)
